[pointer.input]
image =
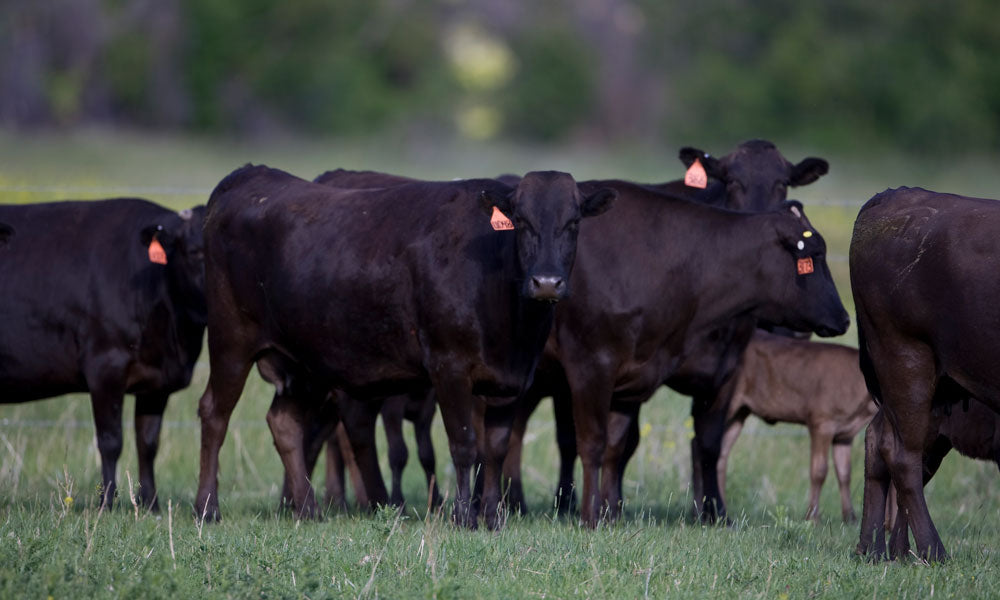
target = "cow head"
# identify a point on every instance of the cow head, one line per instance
(180, 235)
(793, 267)
(756, 176)
(546, 208)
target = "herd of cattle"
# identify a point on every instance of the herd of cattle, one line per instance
(362, 293)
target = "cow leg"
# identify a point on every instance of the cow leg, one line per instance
(709, 426)
(631, 445)
(392, 422)
(227, 376)
(335, 494)
(319, 418)
(621, 420)
(339, 449)
(842, 465)
(358, 418)
(148, 420)
(562, 406)
(497, 421)
(900, 540)
(285, 418)
(425, 447)
(905, 462)
(524, 407)
(106, 402)
(728, 441)
(876, 494)
(591, 395)
(454, 394)
(819, 448)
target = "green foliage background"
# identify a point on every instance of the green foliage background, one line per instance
(853, 75)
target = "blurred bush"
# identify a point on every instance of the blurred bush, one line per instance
(921, 76)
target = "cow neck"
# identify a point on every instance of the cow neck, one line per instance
(515, 346)
(737, 286)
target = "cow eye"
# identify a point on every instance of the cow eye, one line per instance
(572, 226)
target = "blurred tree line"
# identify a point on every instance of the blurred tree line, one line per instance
(922, 76)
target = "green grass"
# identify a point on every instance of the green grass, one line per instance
(47, 449)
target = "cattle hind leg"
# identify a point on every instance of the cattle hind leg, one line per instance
(876, 493)
(148, 421)
(285, 419)
(908, 381)
(225, 384)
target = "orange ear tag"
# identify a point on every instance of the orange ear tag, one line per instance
(156, 252)
(499, 221)
(805, 266)
(696, 176)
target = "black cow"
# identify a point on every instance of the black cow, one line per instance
(84, 308)
(378, 292)
(670, 272)
(923, 273)
(754, 178)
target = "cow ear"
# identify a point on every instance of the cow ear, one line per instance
(6, 232)
(598, 202)
(147, 233)
(502, 199)
(713, 168)
(795, 208)
(808, 171)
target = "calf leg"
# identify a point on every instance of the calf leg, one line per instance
(728, 440)
(148, 420)
(819, 448)
(842, 465)
(285, 418)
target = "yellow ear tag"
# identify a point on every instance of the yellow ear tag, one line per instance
(499, 221)
(696, 176)
(807, 234)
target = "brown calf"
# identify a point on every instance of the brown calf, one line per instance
(797, 381)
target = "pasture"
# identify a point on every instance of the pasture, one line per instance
(54, 542)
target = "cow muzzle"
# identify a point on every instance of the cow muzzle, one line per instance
(551, 288)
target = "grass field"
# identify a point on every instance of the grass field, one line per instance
(54, 542)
